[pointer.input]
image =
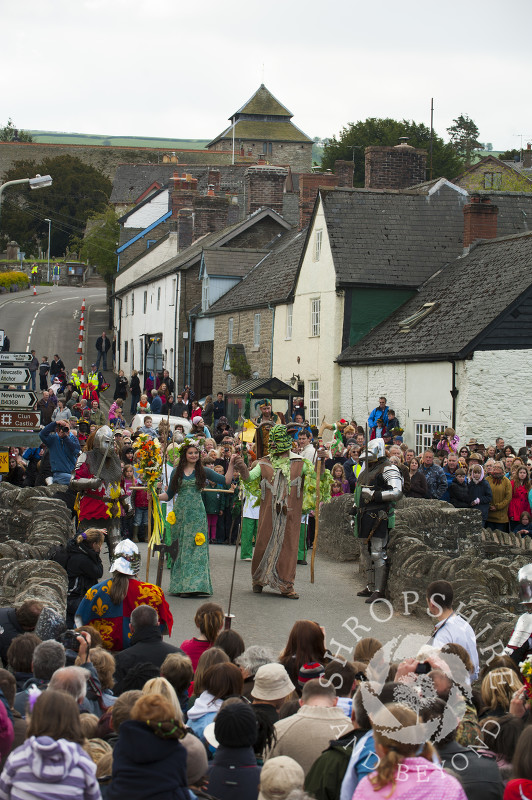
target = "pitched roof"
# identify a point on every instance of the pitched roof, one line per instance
(497, 164)
(270, 281)
(482, 285)
(263, 130)
(230, 262)
(263, 102)
(131, 180)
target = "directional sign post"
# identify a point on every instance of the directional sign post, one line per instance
(9, 375)
(19, 420)
(18, 401)
(16, 358)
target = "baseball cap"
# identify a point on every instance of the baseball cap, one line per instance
(280, 776)
(272, 683)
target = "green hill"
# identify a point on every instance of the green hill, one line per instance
(57, 137)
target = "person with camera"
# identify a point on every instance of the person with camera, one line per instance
(449, 626)
(83, 566)
(63, 447)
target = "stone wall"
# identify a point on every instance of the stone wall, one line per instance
(258, 358)
(297, 155)
(31, 521)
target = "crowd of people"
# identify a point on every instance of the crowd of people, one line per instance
(222, 718)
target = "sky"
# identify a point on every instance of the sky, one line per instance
(179, 70)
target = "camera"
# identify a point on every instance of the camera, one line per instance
(69, 640)
(423, 669)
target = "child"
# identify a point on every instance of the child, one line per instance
(379, 431)
(525, 524)
(140, 520)
(213, 502)
(338, 476)
(480, 495)
(143, 407)
(128, 481)
(336, 489)
(459, 491)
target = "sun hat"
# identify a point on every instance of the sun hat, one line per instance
(280, 776)
(126, 558)
(272, 683)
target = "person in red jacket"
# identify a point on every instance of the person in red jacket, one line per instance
(519, 502)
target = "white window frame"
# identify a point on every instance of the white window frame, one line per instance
(424, 434)
(230, 329)
(315, 314)
(256, 330)
(528, 435)
(132, 352)
(289, 320)
(314, 402)
(158, 298)
(318, 241)
(205, 294)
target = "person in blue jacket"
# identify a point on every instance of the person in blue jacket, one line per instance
(381, 412)
(64, 449)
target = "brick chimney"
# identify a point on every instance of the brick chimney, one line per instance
(527, 156)
(309, 183)
(395, 167)
(185, 228)
(183, 193)
(480, 219)
(344, 170)
(210, 214)
(265, 187)
(214, 178)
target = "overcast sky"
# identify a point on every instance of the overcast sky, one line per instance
(175, 69)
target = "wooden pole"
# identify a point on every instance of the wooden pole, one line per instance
(316, 519)
(148, 557)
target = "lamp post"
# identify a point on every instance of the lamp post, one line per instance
(38, 182)
(49, 221)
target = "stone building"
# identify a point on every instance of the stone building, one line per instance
(263, 128)
(491, 174)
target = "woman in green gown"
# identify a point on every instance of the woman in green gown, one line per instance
(190, 574)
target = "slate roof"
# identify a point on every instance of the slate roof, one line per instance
(400, 238)
(263, 130)
(481, 285)
(263, 102)
(132, 179)
(270, 281)
(230, 261)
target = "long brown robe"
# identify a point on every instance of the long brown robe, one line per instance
(275, 556)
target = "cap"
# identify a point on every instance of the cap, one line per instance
(310, 671)
(280, 776)
(272, 683)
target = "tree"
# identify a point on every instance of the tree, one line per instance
(78, 190)
(11, 134)
(464, 138)
(510, 155)
(355, 137)
(99, 244)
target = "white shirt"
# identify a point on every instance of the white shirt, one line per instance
(456, 629)
(308, 452)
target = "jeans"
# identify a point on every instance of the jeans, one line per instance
(141, 516)
(101, 356)
(33, 374)
(62, 477)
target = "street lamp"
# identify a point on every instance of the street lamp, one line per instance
(38, 182)
(49, 221)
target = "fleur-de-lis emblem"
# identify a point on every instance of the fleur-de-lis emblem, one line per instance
(90, 594)
(100, 607)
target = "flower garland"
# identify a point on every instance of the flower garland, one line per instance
(148, 465)
(526, 671)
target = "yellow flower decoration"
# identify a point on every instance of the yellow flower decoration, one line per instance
(171, 518)
(199, 538)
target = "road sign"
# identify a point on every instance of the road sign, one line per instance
(4, 462)
(19, 420)
(2, 336)
(11, 375)
(17, 400)
(16, 358)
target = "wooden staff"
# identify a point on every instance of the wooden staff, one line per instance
(149, 537)
(316, 518)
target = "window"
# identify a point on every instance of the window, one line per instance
(267, 148)
(497, 180)
(424, 434)
(230, 330)
(315, 304)
(132, 354)
(125, 351)
(127, 305)
(205, 294)
(406, 324)
(528, 435)
(256, 331)
(132, 303)
(318, 236)
(289, 317)
(488, 180)
(493, 180)
(145, 301)
(158, 298)
(171, 302)
(314, 403)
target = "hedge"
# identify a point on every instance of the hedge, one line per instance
(13, 279)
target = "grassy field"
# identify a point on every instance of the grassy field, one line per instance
(56, 137)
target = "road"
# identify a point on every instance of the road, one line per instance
(49, 322)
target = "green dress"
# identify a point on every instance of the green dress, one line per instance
(190, 571)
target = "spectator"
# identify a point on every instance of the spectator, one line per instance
(234, 771)
(8, 686)
(450, 470)
(134, 388)
(52, 762)
(305, 735)
(459, 490)
(209, 620)
(305, 645)
(450, 627)
(498, 688)
(272, 688)
(157, 401)
(46, 406)
(218, 407)
(501, 490)
(380, 412)
(120, 386)
(208, 411)
(47, 658)
(479, 491)
(14, 621)
(33, 366)
(103, 345)
(143, 407)
(521, 784)
(177, 669)
(61, 412)
(434, 475)
(220, 681)
(212, 656)
(418, 482)
(64, 450)
(250, 662)
(83, 566)
(146, 643)
(16, 473)
(105, 666)
(147, 427)
(519, 502)
(20, 657)
(231, 643)
(44, 369)
(97, 417)
(56, 366)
